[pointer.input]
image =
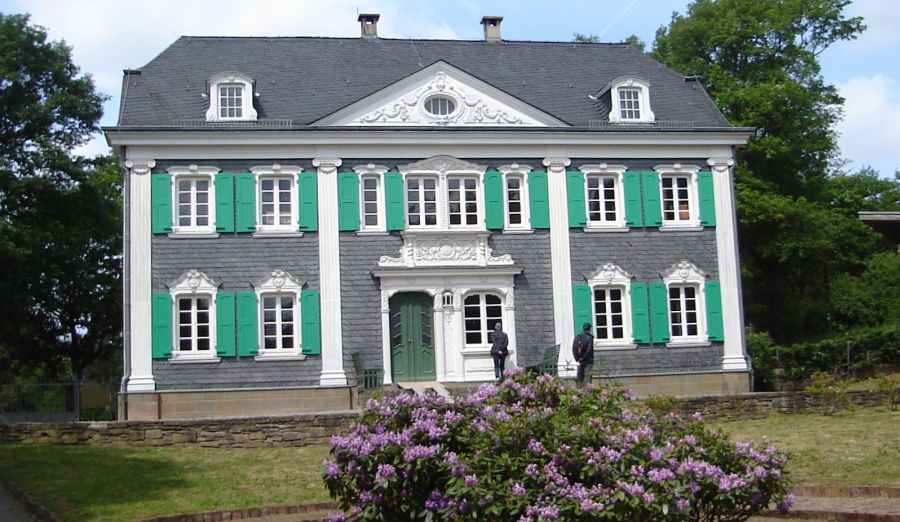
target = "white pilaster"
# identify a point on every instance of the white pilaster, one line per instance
(330, 273)
(437, 335)
(560, 264)
(139, 288)
(735, 354)
(386, 336)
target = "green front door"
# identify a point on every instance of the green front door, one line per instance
(412, 338)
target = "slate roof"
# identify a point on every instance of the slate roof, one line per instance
(305, 79)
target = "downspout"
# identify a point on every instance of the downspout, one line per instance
(126, 285)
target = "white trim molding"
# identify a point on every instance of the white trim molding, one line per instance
(610, 276)
(685, 274)
(641, 88)
(194, 284)
(366, 172)
(194, 171)
(278, 282)
(442, 168)
(520, 172)
(231, 79)
(690, 172)
(276, 172)
(617, 172)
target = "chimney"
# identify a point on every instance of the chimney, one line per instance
(368, 25)
(491, 28)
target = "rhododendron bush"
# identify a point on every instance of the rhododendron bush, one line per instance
(539, 449)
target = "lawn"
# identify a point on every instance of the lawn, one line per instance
(107, 483)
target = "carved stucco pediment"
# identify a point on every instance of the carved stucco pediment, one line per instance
(475, 103)
(442, 163)
(445, 249)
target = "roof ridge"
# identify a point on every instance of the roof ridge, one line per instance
(358, 39)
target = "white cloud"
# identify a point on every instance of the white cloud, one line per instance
(870, 130)
(882, 18)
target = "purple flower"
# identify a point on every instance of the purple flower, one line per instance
(331, 469)
(471, 480)
(517, 489)
(786, 503)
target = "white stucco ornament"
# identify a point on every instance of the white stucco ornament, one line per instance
(436, 249)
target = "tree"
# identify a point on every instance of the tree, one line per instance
(632, 40)
(59, 213)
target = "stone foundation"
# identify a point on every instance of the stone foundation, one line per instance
(683, 384)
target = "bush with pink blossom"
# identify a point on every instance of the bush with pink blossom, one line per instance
(539, 449)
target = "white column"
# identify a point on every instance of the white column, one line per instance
(510, 326)
(437, 335)
(330, 273)
(560, 261)
(139, 287)
(386, 335)
(735, 354)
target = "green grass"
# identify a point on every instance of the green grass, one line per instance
(858, 447)
(115, 483)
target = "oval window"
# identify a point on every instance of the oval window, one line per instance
(440, 106)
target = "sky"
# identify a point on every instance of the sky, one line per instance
(108, 36)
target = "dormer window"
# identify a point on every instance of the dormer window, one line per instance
(440, 106)
(630, 99)
(231, 98)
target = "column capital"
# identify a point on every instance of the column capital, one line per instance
(557, 163)
(140, 166)
(327, 165)
(720, 164)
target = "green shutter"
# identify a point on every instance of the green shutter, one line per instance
(539, 199)
(640, 313)
(225, 325)
(348, 201)
(493, 195)
(632, 187)
(310, 329)
(245, 195)
(581, 306)
(161, 320)
(247, 319)
(393, 197)
(714, 311)
(160, 203)
(659, 313)
(652, 205)
(575, 193)
(707, 199)
(308, 198)
(225, 202)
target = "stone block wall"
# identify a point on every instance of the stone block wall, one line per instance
(759, 405)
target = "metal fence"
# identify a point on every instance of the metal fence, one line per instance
(39, 402)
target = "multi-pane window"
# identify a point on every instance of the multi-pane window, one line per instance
(279, 321)
(421, 202)
(676, 198)
(515, 210)
(462, 198)
(440, 106)
(370, 202)
(482, 313)
(231, 101)
(276, 205)
(683, 315)
(193, 202)
(609, 313)
(630, 104)
(194, 324)
(601, 199)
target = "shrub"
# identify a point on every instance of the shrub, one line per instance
(889, 385)
(538, 450)
(831, 388)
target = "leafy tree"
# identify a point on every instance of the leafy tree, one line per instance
(632, 40)
(59, 213)
(873, 297)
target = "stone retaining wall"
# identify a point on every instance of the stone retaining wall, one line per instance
(317, 428)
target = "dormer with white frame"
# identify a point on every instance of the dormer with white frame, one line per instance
(230, 98)
(630, 101)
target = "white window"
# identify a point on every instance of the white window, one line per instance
(194, 295)
(194, 208)
(462, 200)
(611, 303)
(422, 201)
(515, 196)
(440, 106)
(371, 197)
(482, 313)
(604, 196)
(279, 315)
(230, 98)
(443, 193)
(687, 306)
(630, 101)
(678, 195)
(276, 198)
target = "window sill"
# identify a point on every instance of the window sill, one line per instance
(606, 230)
(614, 347)
(516, 231)
(292, 356)
(193, 359)
(683, 343)
(193, 235)
(372, 233)
(692, 227)
(273, 234)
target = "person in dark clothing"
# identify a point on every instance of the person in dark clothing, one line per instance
(499, 350)
(583, 351)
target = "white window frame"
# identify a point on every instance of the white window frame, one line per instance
(191, 285)
(479, 199)
(375, 172)
(689, 172)
(442, 195)
(231, 79)
(438, 203)
(643, 89)
(180, 173)
(484, 344)
(277, 172)
(617, 172)
(686, 274)
(521, 172)
(279, 284)
(610, 276)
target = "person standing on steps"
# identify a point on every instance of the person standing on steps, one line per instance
(499, 350)
(583, 351)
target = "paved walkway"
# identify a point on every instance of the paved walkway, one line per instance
(11, 510)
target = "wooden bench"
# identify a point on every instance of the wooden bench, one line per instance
(366, 379)
(549, 364)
